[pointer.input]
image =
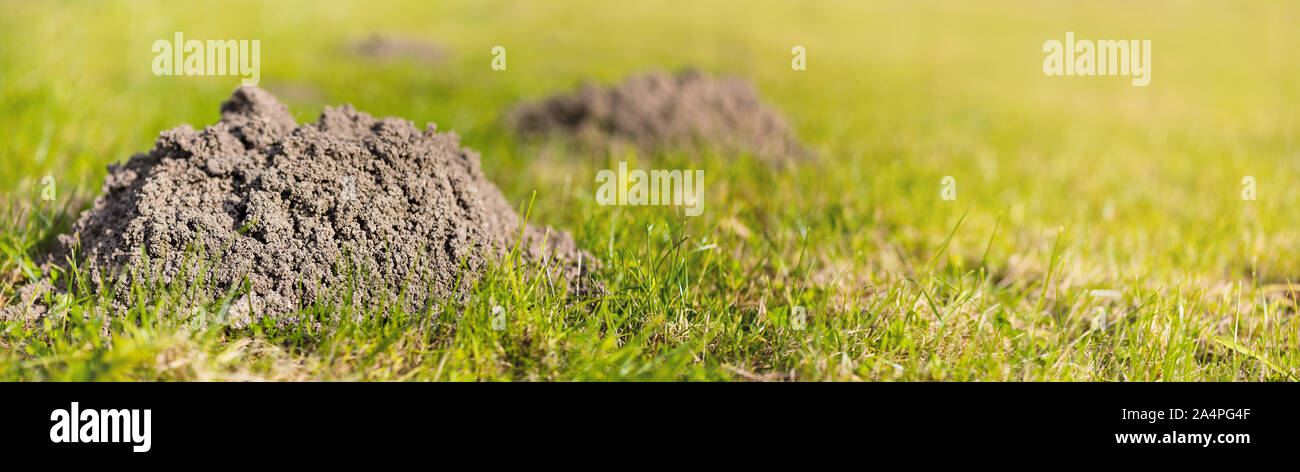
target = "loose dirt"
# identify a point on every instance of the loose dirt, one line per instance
(348, 203)
(390, 46)
(659, 112)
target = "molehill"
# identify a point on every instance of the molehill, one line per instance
(350, 203)
(662, 112)
(390, 46)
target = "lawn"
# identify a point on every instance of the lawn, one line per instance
(1099, 230)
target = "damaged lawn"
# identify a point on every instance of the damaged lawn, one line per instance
(1097, 233)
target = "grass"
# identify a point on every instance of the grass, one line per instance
(1098, 233)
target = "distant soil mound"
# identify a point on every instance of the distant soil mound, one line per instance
(373, 205)
(658, 112)
(386, 46)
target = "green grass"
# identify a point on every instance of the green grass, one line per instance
(1098, 232)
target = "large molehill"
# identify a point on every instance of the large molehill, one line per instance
(349, 204)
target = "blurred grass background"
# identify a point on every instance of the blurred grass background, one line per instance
(897, 95)
(1141, 186)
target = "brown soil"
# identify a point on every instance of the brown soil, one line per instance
(659, 112)
(294, 208)
(390, 46)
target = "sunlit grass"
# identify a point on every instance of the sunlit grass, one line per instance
(1098, 234)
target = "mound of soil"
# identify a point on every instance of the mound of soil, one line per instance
(658, 111)
(350, 201)
(389, 46)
